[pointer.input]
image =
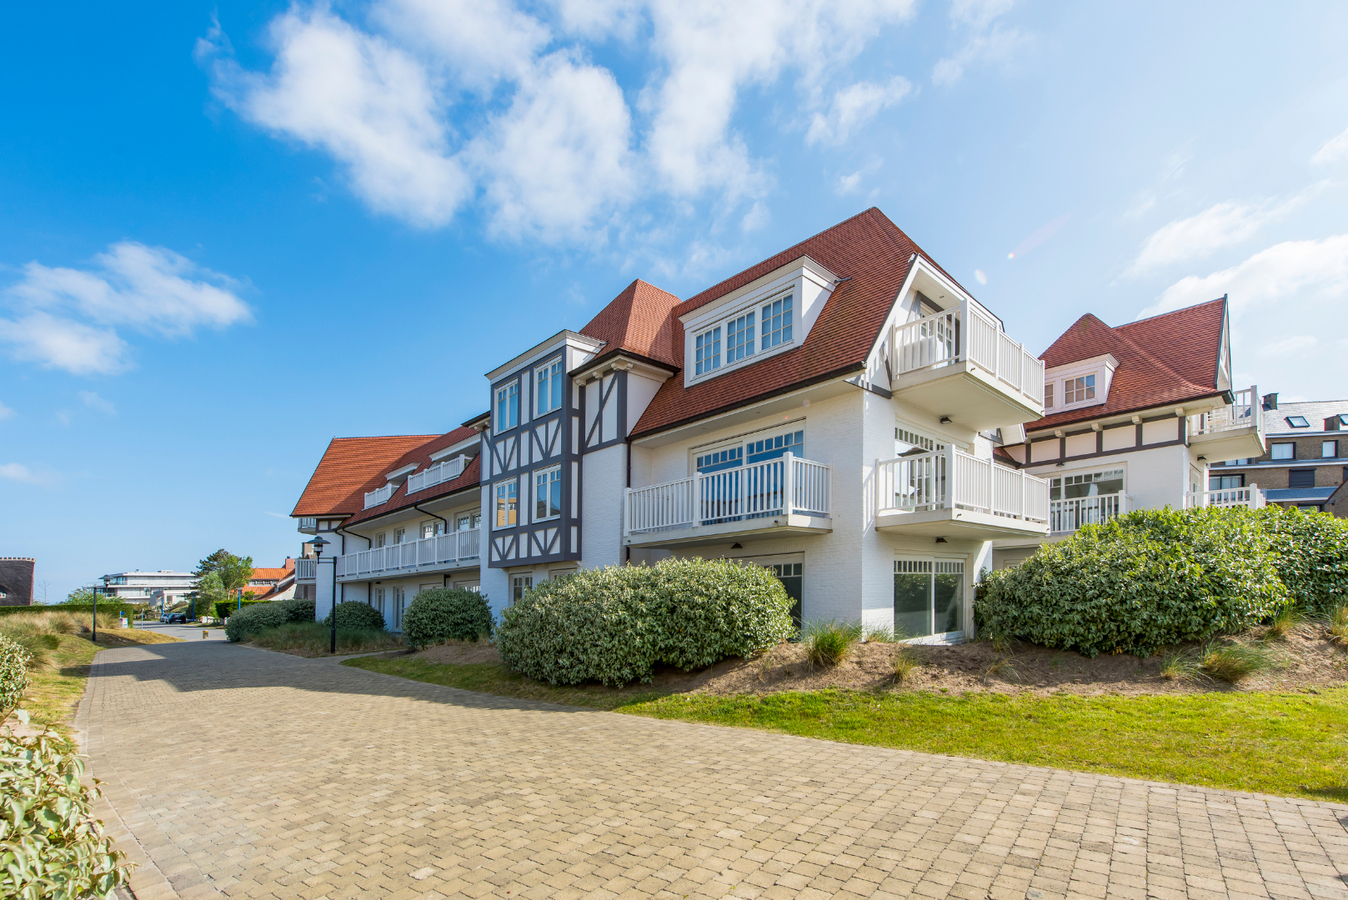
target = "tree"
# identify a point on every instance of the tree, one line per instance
(210, 590)
(86, 596)
(234, 572)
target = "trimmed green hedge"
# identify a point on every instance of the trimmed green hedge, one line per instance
(354, 614)
(446, 614)
(110, 608)
(613, 625)
(51, 845)
(14, 662)
(1154, 578)
(226, 608)
(261, 616)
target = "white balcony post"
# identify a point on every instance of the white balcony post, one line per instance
(788, 484)
(949, 486)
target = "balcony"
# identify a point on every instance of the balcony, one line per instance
(457, 550)
(1066, 516)
(1230, 432)
(765, 499)
(306, 570)
(1249, 497)
(379, 495)
(948, 493)
(959, 364)
(446, 470)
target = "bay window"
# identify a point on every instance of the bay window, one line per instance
(548, 493)
(507, 406)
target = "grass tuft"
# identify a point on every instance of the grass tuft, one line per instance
(1001, 667)
(1287, 619)
(1338, 626)
(1234, 662)
(905, 661)
(827, 643)
(880, 635)
(314, 639)
(1178, 666)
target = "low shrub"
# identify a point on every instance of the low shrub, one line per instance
(51, 846)
(1310, 553)
(34, 635)
(613, 625)
(314, 639)
(446, 614)
(14, 661)
(1139, 582)
(354, 614)
(254, 619)
(297, 610)
(226, 608)
(827, 643)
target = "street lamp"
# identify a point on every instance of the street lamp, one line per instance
(319, 544)
(94, 591)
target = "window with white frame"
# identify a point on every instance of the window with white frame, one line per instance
(548, 387)
(777, 322)
(432, 528)
(1078, 390)
(378, 601)
(507, 406)
(379, 539)
(928, 597)
(1048, 395)
(707, 351)
(518, 585)
(399, 604)
(739, 338)
(1086, 484)
(1329, 449)
(507, 504)
(548, 493)
(1283, 451)
(399, 534)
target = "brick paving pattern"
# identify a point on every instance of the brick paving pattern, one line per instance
(250, 774)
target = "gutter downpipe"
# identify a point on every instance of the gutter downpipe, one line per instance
(418, 508)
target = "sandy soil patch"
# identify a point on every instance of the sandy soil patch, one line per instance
(1307, 660)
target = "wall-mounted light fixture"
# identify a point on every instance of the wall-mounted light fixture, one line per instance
(945, 420)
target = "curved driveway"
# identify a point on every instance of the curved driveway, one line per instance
(244, 773)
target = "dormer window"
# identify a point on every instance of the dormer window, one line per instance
(1298, 422)
(708, 350)
(739, 338)
(1078, 390)
(776, 322)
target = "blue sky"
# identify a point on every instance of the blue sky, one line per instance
(231, 231)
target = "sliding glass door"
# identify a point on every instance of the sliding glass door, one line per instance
(928, 598)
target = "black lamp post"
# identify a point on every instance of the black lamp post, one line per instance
(319, 544)
(94, 590)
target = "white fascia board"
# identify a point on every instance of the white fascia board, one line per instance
(623, 362)
(456, 449)
(778, 277)
(562, 338)
(401, 472)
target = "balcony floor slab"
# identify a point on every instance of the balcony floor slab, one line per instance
(965, 524)
(968, 395)
(1235, 443)
(747, 530)
(462, 565)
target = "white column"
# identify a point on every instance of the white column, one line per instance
(325, 586)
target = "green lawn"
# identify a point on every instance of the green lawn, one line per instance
(1290, 744)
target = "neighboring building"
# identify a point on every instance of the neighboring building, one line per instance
(827, 413)
(1306, 460)
(1338, 501)
(164, 587)
(16, 580)
(265, 581)
(1134, 417)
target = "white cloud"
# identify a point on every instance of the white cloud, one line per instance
(1282, 271)
(600, 18)
(998, 48)
(21, 473)
(1287, 346)
(67, 318)
(855, 105)
(93, 401)
(5, 412)
(1335, 148)
(978, 13)
(756, 218)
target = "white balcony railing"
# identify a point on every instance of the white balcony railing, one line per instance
(951, 478)
(306, 570)
(786, 486)
(439, 552)
(445, 470)
(1227, 498)
(1066, 516)
(1245, 412)
(967, 333)
(379, 495)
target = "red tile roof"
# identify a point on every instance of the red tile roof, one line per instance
(337, 485)
(1167, 359)
(421, 457)
(638, 320)
(871, 253)
(277, 573)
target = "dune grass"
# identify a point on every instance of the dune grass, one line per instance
(314, 639)
(1289, 744)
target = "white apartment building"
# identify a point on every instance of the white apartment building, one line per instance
(844, 413)
(162, 586)
(1134, 417)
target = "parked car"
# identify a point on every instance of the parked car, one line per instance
(177, 618)
(164, 617)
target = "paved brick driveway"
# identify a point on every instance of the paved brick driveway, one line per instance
(334, 782)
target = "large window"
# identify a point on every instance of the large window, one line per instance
(1225, 482)
(791, 577)
(507, 406)
(752, 451)
(707, 349)
(507, 504)
(1284, 451)
(518, 585)
(1077, 390)
(548, 493)
(548, 387)
(777, 322)
(928, 597)
(1329, 449)
(399, 604)
(1086, 484)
